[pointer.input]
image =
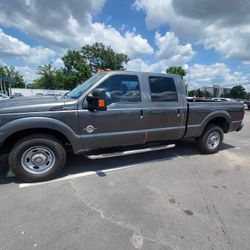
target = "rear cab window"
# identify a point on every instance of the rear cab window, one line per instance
(162, 89)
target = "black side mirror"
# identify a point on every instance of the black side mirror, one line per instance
(97, 100)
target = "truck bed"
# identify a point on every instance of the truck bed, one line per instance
(200, 112)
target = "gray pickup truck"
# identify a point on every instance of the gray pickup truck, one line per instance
(112, 113)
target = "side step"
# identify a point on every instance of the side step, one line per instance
(129, 152)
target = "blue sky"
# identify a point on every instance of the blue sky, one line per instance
(212, 42)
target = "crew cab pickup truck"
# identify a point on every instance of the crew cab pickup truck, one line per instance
(112, 113)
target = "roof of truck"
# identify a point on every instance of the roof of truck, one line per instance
(136, 72)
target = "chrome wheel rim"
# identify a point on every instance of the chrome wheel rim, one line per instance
(213, 140)
(38, 160)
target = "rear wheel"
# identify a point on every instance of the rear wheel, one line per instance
(211, 139)
(37, 158)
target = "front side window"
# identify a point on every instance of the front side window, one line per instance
(122, 88)
(162, 89)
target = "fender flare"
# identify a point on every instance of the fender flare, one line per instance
(214, 115)
(21, 124)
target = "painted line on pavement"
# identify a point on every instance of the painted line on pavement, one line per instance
(74, 176)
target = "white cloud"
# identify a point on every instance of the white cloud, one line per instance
(206, 75)
(224, 26)
(2, 62)
(169, 53)
(156, 11)
(58, 63)
(245, 62)
(29, 74)
(169, 48)
(69, 24)
(131, 43)
(140, 65)
(11, 46)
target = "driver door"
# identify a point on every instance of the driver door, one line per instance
(121, 124)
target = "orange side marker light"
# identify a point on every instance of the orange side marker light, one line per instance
(101, 103)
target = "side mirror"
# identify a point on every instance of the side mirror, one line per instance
(97, 100)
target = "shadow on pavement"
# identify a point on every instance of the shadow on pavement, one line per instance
(79, 163)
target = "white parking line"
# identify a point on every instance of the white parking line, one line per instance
(74, 176)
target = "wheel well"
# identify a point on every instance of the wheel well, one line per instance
(221, 122)
(12, 139)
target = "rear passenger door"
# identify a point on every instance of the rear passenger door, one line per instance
(165, 114)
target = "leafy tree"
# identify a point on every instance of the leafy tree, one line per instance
(238, 92)
(199, 93)
(207, 94)
(76, 69)
(47, 77)
(103, 57)
(177, 71)
(191, 93)
(11, 72)
(79, 65)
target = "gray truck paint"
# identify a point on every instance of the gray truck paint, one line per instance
(122, 123)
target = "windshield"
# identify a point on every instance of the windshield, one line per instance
(83, 87)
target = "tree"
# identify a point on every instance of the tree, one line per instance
(76, 69)
(207, 94)
(177, 71)
(238, 92)
(199, 93)
(47, 77)
(191, 93)
(79, 65)
(11, 72)
(180, 72)
(103, 57)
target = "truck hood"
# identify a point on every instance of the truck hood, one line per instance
(36, 104)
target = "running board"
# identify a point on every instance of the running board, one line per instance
(130, 152)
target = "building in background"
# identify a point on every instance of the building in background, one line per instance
(217, 90)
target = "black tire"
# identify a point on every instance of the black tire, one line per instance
(204, 142)
(28, 150)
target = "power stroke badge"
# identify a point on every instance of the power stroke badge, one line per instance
(90, 129)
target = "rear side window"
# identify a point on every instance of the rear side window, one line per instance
(162, 89)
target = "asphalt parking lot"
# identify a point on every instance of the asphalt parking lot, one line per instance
(171, 199)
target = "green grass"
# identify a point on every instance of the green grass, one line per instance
(10, 174)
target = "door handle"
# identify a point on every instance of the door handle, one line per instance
(178, 112)
(141, 114)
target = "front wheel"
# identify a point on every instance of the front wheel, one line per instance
(211, 139)
(37, 158)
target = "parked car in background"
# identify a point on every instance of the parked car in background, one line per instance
(247, 103)
(17, 95)
(191, 99)
(222, 99)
